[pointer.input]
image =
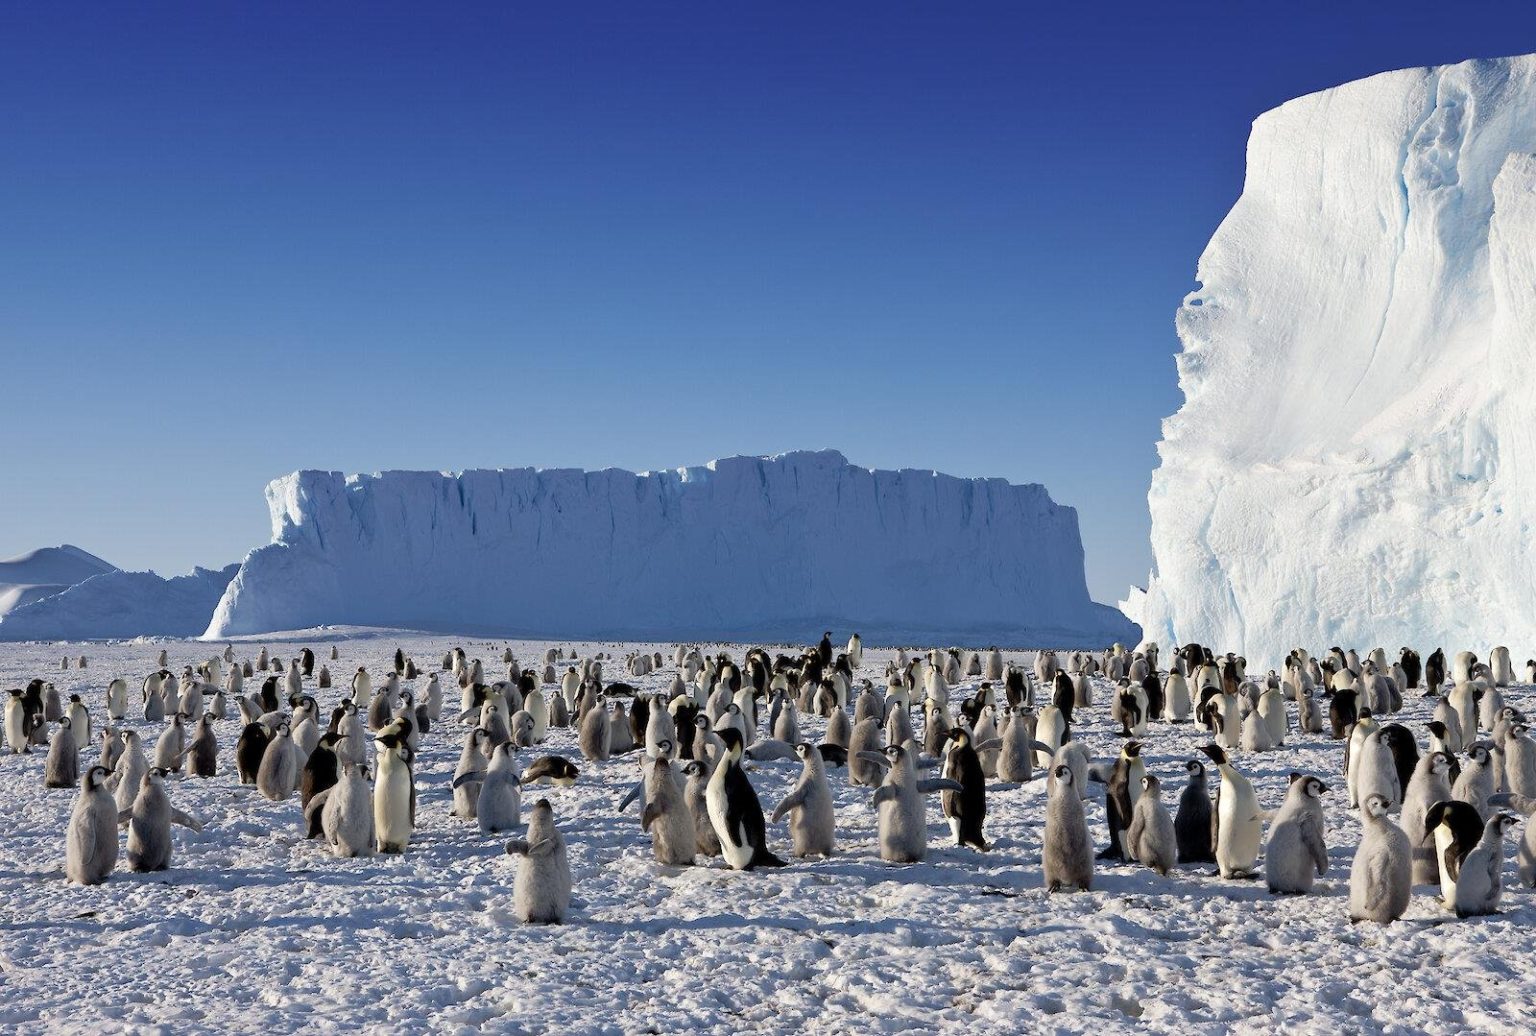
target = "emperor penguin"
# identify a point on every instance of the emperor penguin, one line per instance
(1176, 693)
(1239, 825)
(866, 738)
(1430, 784)
(1525, 855)
(1456, 828)
(1296, 854)
(394, 794)
(306, 725)
(171, 744)
(1051, 731)
(695, 794)
(117, 699)
(595, 738)
(1151, 840)
(500, 805)
(204, 750)
(17, 733)
(278, 775)
(966, 808)
(1476, 781)
(1124, 788)
(1014, 758)
(354, 745)
(346, 819)
(659, 726)
(542, 891)
(735, 812)
(90, 844)
(111, 747)
(129, 772)
(320, 771)
(1480, 884)
(1360, 734)
(1520, 761)
(902, 822)
(149, 822)
(62, 767)
(536, 706)
(809, 805)
(1067, 856)
(294, 682)
(1377, 771)
(472, 759)
(1463, 698)
(1381, 877)
(621, 739)
(666, 817)
(1461, 666)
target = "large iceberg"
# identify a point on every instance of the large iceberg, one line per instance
(1354, 461)
(120, 605)
(749, 547)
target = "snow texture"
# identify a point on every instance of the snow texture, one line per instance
(121, 605)
(745, 547)
(43, 573)
(254, 929)
(1355, 459)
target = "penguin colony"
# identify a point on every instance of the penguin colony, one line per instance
(1435, 807)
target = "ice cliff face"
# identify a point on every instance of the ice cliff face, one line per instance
(1354, 462)
(779, 547)
(121, 605)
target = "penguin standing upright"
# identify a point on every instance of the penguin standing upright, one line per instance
(812, 823)
(1456, 828)
(1067, 856)
(16, 730)
(346, 818)
(90, 845)
(966, 808)
(666, 817)
(1430, 784)
(321, 770)
(1381, 877)
(394, 794)
(1239, 826)
(1295, 855)
(278, 775)
(129, 772)
(695, 794)
(149, 822)
(1120, 799)
(499, 807)
(62, 767)
(1480, 885)
(1151, 839)
(542, 891)
(735, 812)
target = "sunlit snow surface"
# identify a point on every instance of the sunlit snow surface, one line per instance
(255, 929)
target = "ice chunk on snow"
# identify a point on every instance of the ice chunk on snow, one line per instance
(1353, 462)
(744, 547)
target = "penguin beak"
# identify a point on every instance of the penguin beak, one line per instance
(1323, 788)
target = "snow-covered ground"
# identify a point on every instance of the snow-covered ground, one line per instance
(255, 929)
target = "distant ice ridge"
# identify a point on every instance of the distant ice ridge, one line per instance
(119, 605)
(43, 573)
(1355, 460)
(748, 547)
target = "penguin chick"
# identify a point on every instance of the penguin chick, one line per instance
(812, 826)
(1295, 855)
(1151, 838)
(542, 891)
(1380, 878)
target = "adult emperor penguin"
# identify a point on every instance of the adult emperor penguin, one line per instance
(666, 816)
(1239, 825)
(902, 822)
(62, 767)
(811, 824)
(321, 770)
(966, 808)
(1124, 788)
(149, 822)
(542, 890)
(1480, 884)
(1067, 856)
(346, 818)
(117, 699)
(735, 812)
(394, 794)
(90, 846)
(16, 726)
(1381, 877)
(1151, 839)
(1296, 855)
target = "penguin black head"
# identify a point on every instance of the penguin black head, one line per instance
(1478, 753)
(75, 698)
(1063, 774)
(804, 749)
(1195, 768)
(1150, 784)
(1132, 749)
(1216, 753)
(330, 740)
(733, 740)
(1315, 788)
(1504, 822)
(1376, 805)
(97, 776)
(1440, 762)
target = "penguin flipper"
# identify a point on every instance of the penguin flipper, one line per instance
(939, 784)
(1098, 773)
(884, 793)
(649, 815)
(186, 820)
(635, 792)
(469, 777)
(794, 800)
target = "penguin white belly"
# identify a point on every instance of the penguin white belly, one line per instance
(732, 844)
(1443, 840)
(1238, 845)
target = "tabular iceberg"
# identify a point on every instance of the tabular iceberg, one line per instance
(1355, 459)
(748, 547)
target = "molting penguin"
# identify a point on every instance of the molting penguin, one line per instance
(542, 891)
(1296, 855)
(1151, 839)
(735, 812)
(90, 843)
(811, 825)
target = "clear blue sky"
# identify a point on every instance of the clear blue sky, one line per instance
(236, 240)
